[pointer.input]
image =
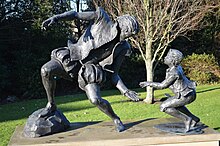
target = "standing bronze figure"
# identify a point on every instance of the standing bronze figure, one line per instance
(183, 89)
(100, 49)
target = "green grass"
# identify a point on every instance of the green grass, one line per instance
(78, 108)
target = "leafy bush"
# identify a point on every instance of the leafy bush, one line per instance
(202, 68)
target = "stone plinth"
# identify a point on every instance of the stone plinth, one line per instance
(138, 133)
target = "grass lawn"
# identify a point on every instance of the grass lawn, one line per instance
(77, 108)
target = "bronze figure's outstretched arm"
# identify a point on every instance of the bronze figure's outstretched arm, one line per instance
(68, 16)
(165, 84)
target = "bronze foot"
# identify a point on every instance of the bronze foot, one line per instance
(119, 125)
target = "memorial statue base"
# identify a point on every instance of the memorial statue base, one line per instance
(137, 133)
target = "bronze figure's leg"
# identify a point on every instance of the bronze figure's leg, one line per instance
(176, 113)
(93, 93)
(172, 107)
(49, 72)
(195, 119)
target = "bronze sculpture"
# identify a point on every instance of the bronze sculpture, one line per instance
(183, 89)
(101, 48)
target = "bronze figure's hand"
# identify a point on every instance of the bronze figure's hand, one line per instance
(132, 95)
(144, 84)
(48, 22)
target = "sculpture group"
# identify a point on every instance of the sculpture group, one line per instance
(100, 49)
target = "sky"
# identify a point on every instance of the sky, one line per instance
(83, 5)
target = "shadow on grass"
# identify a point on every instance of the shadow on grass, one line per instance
(217, 128)
(209, 89)
(9, 116)
(25, 109)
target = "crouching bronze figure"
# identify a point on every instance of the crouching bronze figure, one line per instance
(181, 86)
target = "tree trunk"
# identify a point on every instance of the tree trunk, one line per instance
(149, 69)
(150, 94)
(148, 49)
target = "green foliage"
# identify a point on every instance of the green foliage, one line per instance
(77, 108)
(25, 47)
(202, 68)
(203, 40)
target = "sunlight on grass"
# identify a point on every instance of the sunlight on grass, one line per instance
(77, 108)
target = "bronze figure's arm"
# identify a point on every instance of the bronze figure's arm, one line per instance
(165, 84)
(70, 15)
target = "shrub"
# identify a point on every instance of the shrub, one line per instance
(202, 68)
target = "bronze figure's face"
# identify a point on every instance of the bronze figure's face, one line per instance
(174, 57)
(128, 25)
